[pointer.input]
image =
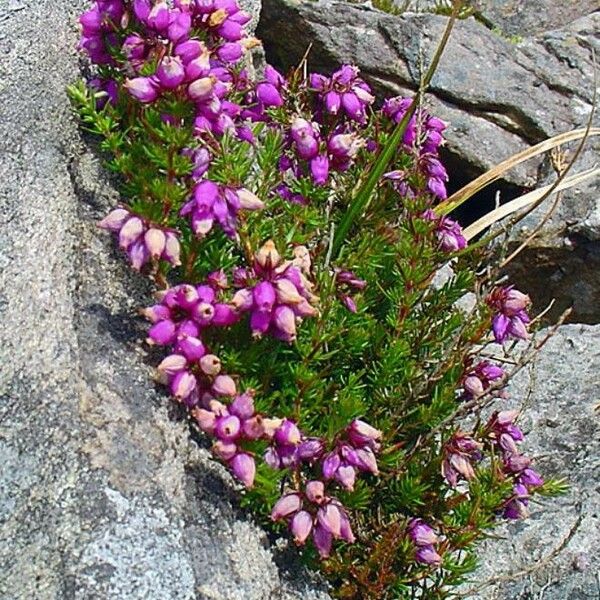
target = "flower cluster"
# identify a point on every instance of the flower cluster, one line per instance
(479, 378)
(212, 202)
(448, 232)
(276, 293)
(505, 435)
(348, 283)
(141, 240)
(460, 451)
(425, 539)
(354, 452)
(314, 511)
(424, 132)
(511, 318)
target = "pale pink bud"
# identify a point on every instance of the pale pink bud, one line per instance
(286, 291)
(224, 385)
(285, 506)
(315, 491)
(301, 526)
(267, 256)
(224, 450)
(130, 232)
(210, 364)
(155, 240)
(172, 249)
(248, 200)
(201, 89)
(115, 219)
(172, 364)
(206, 419)
(330, 519)
(244, 468)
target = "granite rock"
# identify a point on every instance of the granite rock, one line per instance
(560, 417)
(102, 492)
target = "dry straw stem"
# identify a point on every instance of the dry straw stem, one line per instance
(462, 195)
(525, 200)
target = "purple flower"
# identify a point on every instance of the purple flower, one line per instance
(511, 319)
(140, 240)
(143, 89)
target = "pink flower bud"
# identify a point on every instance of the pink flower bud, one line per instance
(224, 450)
(201, 89)
(206, 419)
(287, 433)
(224, 385)
(268, 257)
(253, 428)
(322, 540)
(243, 300)
(172, 364)
(244, 468)
(333, 102)
(142, 88)
(248, 200)
(362, 433)
(162, 333)
(183, 384)
(515, 301)
(301, 526)
(242, 406)
(115, 219)
(172, 249)
(130, 232)
(346, 475)
(191, 347)
(285, 321)
(268, 94)
(155, 240)
(189, 50)
(315, 491)
(285, 506)
(427, 555)
(286, 292)
(473, 385)
(331, 464)
(223, 315)
(228, 428)
(170, 72)
(158, 312)
(204, 312)
(330, 519)
(264, 296)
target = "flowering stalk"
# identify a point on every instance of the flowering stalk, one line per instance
(316, 367)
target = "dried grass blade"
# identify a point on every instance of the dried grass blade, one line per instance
(496, 172)
(522, 201)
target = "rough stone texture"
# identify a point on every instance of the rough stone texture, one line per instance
(102, 493)
(528, 17)
(499, 98)
(562, 424)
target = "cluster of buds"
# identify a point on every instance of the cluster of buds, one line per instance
(98, 25)
(276, 293)
(306, 145)
(511, 318)
(460, 452)
(354, 452)
(289, 447)
(346, 284)
(212, 202)
(231, 425)
(141, 240)
(505, 435)
(343, 92)
(426, 133)
(424, 538)
(154, 35)
(448, 232)
(479, 379)
(313, 511)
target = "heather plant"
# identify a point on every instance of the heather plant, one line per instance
(295, 229)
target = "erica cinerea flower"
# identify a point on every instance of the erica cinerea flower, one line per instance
(141, 240)
(511, 318)
(313, 511)
(425, 539)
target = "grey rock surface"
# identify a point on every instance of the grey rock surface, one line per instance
(560, 401)
(528, 17)
(102, 492)
(499, 98)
